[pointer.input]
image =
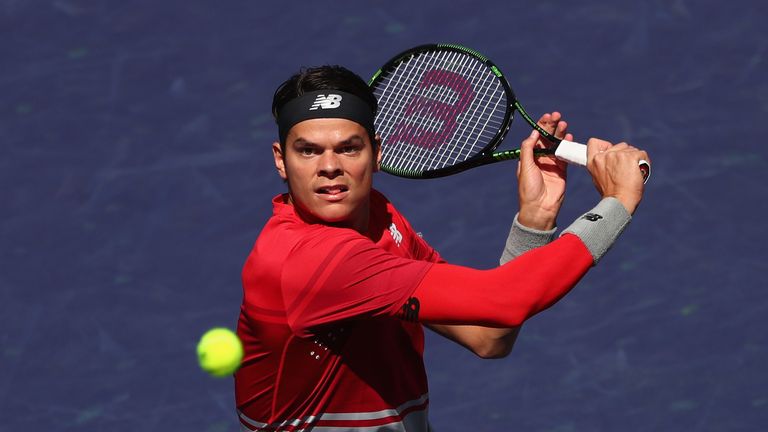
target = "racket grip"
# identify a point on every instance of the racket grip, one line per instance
(572, 152)
(576, 154)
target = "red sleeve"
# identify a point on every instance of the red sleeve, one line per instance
(507, 295)
(338, 274)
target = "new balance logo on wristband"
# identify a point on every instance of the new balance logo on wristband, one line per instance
(326, 102)
(592, 217)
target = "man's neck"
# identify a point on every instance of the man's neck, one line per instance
(359, 223)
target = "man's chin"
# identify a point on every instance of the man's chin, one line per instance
(339, 218)
(334, 218)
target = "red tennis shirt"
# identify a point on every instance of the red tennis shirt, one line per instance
(324, 346)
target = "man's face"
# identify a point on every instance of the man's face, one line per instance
(329, 165)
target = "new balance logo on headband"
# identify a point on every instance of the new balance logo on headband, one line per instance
(326, 102)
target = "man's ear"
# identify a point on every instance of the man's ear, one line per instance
(377, 156)
(277, 152)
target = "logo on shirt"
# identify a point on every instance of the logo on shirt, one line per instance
(410, 311)
(326, 102)
(395, 233)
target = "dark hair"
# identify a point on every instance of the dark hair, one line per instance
(331, 77)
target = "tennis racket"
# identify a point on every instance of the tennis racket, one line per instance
(444, 109)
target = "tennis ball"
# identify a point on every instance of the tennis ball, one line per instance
(219, 352)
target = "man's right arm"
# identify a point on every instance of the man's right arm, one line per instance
(505, 296)
(510, 294)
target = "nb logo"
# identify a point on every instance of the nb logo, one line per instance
(326, 102)
(395, 233)
(592, 217)
(410, 310)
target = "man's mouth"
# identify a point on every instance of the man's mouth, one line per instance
(332, 190)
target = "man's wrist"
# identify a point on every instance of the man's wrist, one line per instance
(521, 239)
(537, 220)
(599, 228)
(630, 203)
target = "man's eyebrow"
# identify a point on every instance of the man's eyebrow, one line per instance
(302, 141)
(354, 139)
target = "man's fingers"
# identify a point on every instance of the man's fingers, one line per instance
(560, 129)
(550, 122)
(619, 147)
(644, 156)
(526, 148)
(596, 146)
(544, 119)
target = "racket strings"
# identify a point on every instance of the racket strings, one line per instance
(406, 104)
(428, 123)
(441, 149)
(441, 96)
(392, 112)
(414, 154)
(479, 115)
(480, 97)
(409, 79)
(451, 153)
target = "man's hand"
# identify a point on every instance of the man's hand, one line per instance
(615, 171)
(541, 180)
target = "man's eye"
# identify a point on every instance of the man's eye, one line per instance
(307, 151)
(349, 149)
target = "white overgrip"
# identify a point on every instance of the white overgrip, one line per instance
(572, 152)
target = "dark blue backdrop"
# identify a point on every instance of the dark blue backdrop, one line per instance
(135, 173)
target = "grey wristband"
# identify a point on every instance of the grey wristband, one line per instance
(521, 239)
(601, 226)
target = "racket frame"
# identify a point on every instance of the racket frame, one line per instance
(571, 152)
(484, 156)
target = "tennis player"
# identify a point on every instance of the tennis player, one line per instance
(338, 284)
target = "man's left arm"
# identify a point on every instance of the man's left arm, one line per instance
(489, 342)
(541, 193)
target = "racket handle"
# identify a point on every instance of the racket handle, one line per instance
(572, 152)
(576, 154)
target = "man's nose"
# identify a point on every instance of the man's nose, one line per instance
(329, 166)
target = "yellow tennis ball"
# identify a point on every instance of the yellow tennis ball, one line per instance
(219, 352)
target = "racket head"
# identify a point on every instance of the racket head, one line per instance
(442, 107)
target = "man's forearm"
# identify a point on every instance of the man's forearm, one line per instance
(521, 239)
(510, 294)
(495, 342)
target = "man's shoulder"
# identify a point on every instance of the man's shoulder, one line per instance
(287, 234)
(382, 207)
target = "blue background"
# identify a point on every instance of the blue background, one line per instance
(135, 174)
